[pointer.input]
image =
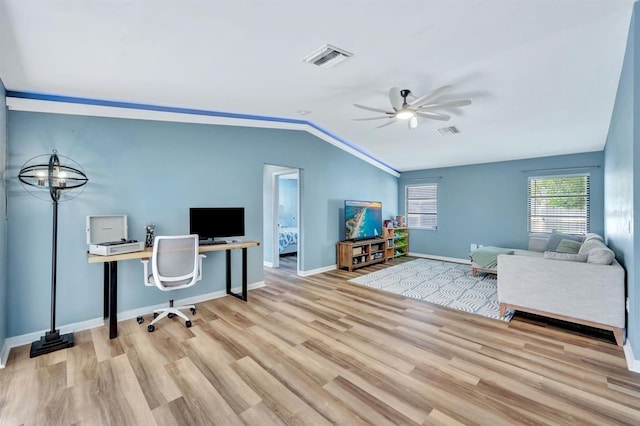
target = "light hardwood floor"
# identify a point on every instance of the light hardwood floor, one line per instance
(318, 350)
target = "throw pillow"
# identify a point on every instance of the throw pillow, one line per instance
(556, 237)
(568, 246)
(571, 257)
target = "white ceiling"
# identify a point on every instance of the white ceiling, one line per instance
(542, 74)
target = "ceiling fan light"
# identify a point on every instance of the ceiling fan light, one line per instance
(405, 114)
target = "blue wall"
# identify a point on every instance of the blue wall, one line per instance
(487, 203)
(622, 179)
(153, 172)
(3, 216)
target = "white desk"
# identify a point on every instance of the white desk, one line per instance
(111, 275)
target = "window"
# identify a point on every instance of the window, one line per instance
(559, 202)
(422, 206)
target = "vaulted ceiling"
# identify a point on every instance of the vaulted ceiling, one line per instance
(542, 75)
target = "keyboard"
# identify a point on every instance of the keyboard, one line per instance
(212, 242)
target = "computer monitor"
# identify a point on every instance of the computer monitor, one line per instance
(216, 222)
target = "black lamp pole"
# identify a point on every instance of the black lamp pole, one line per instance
(58, 178)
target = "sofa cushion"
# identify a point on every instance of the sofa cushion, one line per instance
(556, 237)
(568, 246)
(603, 256)
(571, 257)
(597, 252)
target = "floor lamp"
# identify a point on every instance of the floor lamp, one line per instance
(60, 180)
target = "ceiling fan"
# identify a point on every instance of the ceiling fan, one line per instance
(422, 107)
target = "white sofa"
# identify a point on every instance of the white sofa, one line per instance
(590, 291)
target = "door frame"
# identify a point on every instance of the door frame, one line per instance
(275, 176)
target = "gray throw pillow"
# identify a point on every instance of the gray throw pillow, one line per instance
(568, 246)
(556, 237)
(571, 257)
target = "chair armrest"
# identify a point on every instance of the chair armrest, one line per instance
(145, 262)
(200, 257)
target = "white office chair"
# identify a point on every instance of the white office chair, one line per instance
(175, 264)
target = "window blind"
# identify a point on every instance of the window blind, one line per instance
(559, 202)
(422, 206)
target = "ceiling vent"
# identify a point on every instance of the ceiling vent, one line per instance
(448, 131)
(327, 56)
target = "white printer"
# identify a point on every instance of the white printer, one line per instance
(107, 235)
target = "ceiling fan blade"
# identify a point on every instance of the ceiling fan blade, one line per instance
(430, 97)
(433, 116)
(395, 98)
(450, 104)
(372, 118)
(372, 109)
(413, 122)
(386, 124)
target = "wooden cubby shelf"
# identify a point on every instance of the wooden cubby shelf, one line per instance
(357, 254)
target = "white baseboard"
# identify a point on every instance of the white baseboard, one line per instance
(13, 342)
(443, 258)
(317, 271)
(268, 264)
(632, 363)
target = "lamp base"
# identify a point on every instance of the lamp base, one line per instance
(51, 342)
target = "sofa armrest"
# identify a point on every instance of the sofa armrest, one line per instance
(586, 291)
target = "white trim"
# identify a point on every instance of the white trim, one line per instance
(633, 364)
(443, 258)
(317, 270)
(57, 107)
(13, 342)
(134, 313)
(267, 264)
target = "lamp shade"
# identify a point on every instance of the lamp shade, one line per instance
(54, 173)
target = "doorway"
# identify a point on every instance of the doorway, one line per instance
(282, 223)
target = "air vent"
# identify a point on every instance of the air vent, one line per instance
(448, 131)
(327, 56)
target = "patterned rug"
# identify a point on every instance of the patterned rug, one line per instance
(443, 283)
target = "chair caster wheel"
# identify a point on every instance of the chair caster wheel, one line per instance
(171, 315)
(140, 320)
(188, 324)
(193, 311)
(151, 328)
(155, 315)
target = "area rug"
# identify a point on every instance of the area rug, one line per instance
(443, 283)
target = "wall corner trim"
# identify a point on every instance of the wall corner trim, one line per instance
(35, 102)
(632, 363)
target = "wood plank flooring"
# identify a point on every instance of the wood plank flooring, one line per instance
(318, 351)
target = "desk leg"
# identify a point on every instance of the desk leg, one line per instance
(105, 297)
(244, 294)
(229, 272)
(244, 274)
(113, 300)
